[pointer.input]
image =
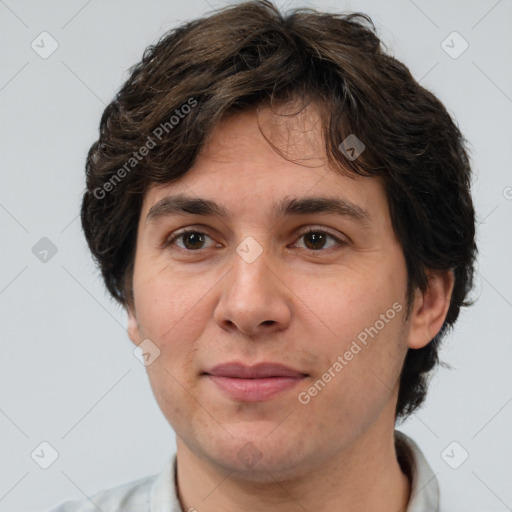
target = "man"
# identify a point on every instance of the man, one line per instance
(286, 216)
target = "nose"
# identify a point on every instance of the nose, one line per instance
(253, 299)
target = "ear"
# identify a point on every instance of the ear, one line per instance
(133, 326)
(430, 308)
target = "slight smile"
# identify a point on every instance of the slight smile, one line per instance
(254, 383)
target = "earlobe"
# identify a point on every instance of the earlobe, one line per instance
(133, 326)
(430, 308)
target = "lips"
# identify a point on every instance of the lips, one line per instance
(254, 383)
(259, 371)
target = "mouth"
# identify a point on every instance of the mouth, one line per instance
(254, 383)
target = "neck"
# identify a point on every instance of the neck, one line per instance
(365, 476)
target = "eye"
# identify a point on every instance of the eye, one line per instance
(192, 239)
(316, 239)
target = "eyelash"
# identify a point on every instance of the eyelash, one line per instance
(170, 241)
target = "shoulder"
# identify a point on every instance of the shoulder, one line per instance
(132, 496)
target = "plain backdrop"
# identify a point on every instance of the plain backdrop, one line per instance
(68, 375)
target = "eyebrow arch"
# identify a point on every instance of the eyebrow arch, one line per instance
(181, 204)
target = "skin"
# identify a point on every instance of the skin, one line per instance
(300, 303)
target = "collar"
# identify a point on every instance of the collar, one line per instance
(424, 488)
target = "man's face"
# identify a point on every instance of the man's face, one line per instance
(253, 288)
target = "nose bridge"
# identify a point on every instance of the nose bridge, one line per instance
(251, 268)
(253, 296)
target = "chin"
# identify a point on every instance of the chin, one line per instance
(260, 458)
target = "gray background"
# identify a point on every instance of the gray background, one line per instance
(68, 375)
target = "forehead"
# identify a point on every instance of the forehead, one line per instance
(293, 130)
(260, 161)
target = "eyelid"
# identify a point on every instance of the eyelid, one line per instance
(320, 229)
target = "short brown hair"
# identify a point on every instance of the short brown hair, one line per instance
(250, 55)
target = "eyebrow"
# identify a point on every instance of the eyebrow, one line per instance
(181, 204)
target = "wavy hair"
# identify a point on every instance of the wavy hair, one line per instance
(250, 55)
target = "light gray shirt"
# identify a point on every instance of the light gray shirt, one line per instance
(158, 493)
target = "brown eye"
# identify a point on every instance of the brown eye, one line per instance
(316, 239)
(191, 240)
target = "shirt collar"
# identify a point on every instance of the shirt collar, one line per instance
(424, 488)
(164, 493)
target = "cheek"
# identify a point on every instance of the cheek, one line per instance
(174, 392)
(346, 302)
(354, 397)
(169, 307)
(362, 314)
